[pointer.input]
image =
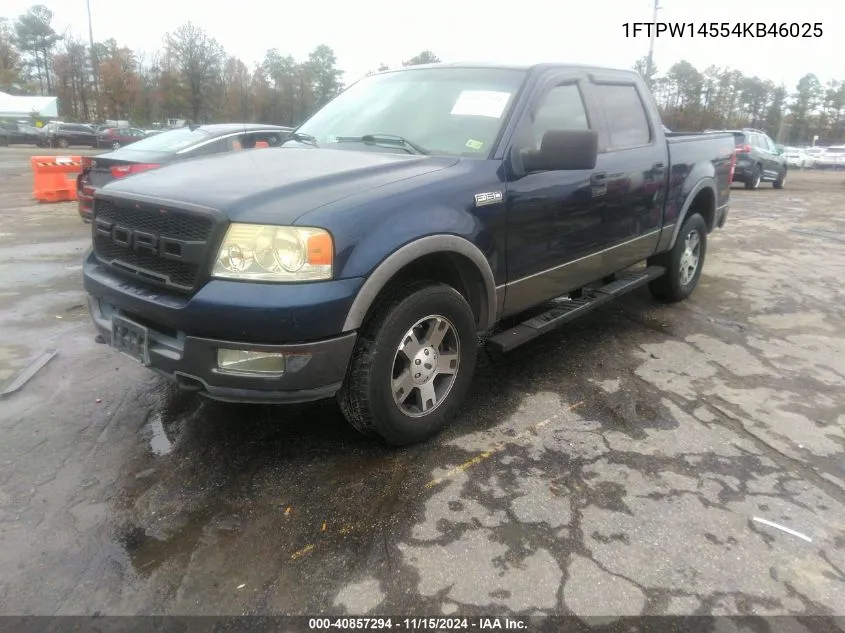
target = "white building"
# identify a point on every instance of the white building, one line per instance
(15, 107)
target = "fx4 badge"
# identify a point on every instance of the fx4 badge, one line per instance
(491, 197)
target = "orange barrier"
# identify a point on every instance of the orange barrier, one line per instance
(54, 177)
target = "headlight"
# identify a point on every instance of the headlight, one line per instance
(274, 253)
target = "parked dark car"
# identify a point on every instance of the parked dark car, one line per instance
(758, 158)
(19, 134)
(418, 209)
(117, 137)
(68, 135)
(177, 145)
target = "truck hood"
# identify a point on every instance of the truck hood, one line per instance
(274, 185)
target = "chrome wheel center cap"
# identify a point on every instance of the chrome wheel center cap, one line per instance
(424, 365)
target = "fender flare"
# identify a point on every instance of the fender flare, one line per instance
(397, 260)
(705, 183)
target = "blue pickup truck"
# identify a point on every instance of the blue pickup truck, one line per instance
(421, 213)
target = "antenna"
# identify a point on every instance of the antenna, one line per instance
(650, 63)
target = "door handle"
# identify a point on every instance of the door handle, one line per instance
(659, 168)
(599, 178)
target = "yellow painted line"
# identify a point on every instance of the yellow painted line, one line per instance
(497, 447)
(473, 461)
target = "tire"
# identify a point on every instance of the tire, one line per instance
(753, 181)
(115, 145)
(367, 396)
(781, 180)
(63, 143)
(676, 285)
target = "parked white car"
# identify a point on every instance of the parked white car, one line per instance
(832, 157)
(812, 154)
(797, 157)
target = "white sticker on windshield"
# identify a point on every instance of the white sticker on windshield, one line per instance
(481, 103)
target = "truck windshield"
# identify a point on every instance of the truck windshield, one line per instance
(452, 111)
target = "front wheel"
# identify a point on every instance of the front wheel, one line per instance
(683, 263)
(115, 145)
(412, 364)
(63, 143)
(781, 180)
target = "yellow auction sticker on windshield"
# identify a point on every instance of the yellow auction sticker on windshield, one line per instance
(473, 144)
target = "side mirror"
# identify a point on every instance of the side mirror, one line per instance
(564, 150)
(780, 150)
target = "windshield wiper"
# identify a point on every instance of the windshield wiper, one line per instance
(410, 147)
(302, 138)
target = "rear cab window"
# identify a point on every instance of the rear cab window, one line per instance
(172, 140)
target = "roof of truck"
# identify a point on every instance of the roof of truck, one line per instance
(522, 67)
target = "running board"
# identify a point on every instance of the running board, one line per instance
(568, 309)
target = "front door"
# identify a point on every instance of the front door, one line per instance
(554, 217)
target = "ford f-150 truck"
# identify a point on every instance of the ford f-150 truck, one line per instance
(419, 214)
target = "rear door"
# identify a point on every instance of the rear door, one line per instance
(79, 135)
(761, 153)
(635, 170)
(773, 161)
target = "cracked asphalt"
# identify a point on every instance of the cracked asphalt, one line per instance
(614, 467)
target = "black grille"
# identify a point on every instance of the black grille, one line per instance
(162, 246)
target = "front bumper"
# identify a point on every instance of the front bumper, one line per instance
(313, 370)
(302, 321)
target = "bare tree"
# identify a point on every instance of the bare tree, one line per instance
(10, 58)
(198, 60)
(36, 39)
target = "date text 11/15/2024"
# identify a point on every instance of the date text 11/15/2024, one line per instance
(724, 29)
(417, 624)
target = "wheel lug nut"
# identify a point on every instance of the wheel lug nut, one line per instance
(418, 361)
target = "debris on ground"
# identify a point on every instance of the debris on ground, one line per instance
(783, 529)
(24, 377)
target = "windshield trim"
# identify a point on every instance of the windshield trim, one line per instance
(511, 118)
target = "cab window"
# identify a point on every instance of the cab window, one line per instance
(561, 109)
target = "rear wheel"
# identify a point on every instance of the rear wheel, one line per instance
(683, 263)
(754, 178)
(63, 143)
(412, 364)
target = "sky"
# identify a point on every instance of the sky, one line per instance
(366, 33)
